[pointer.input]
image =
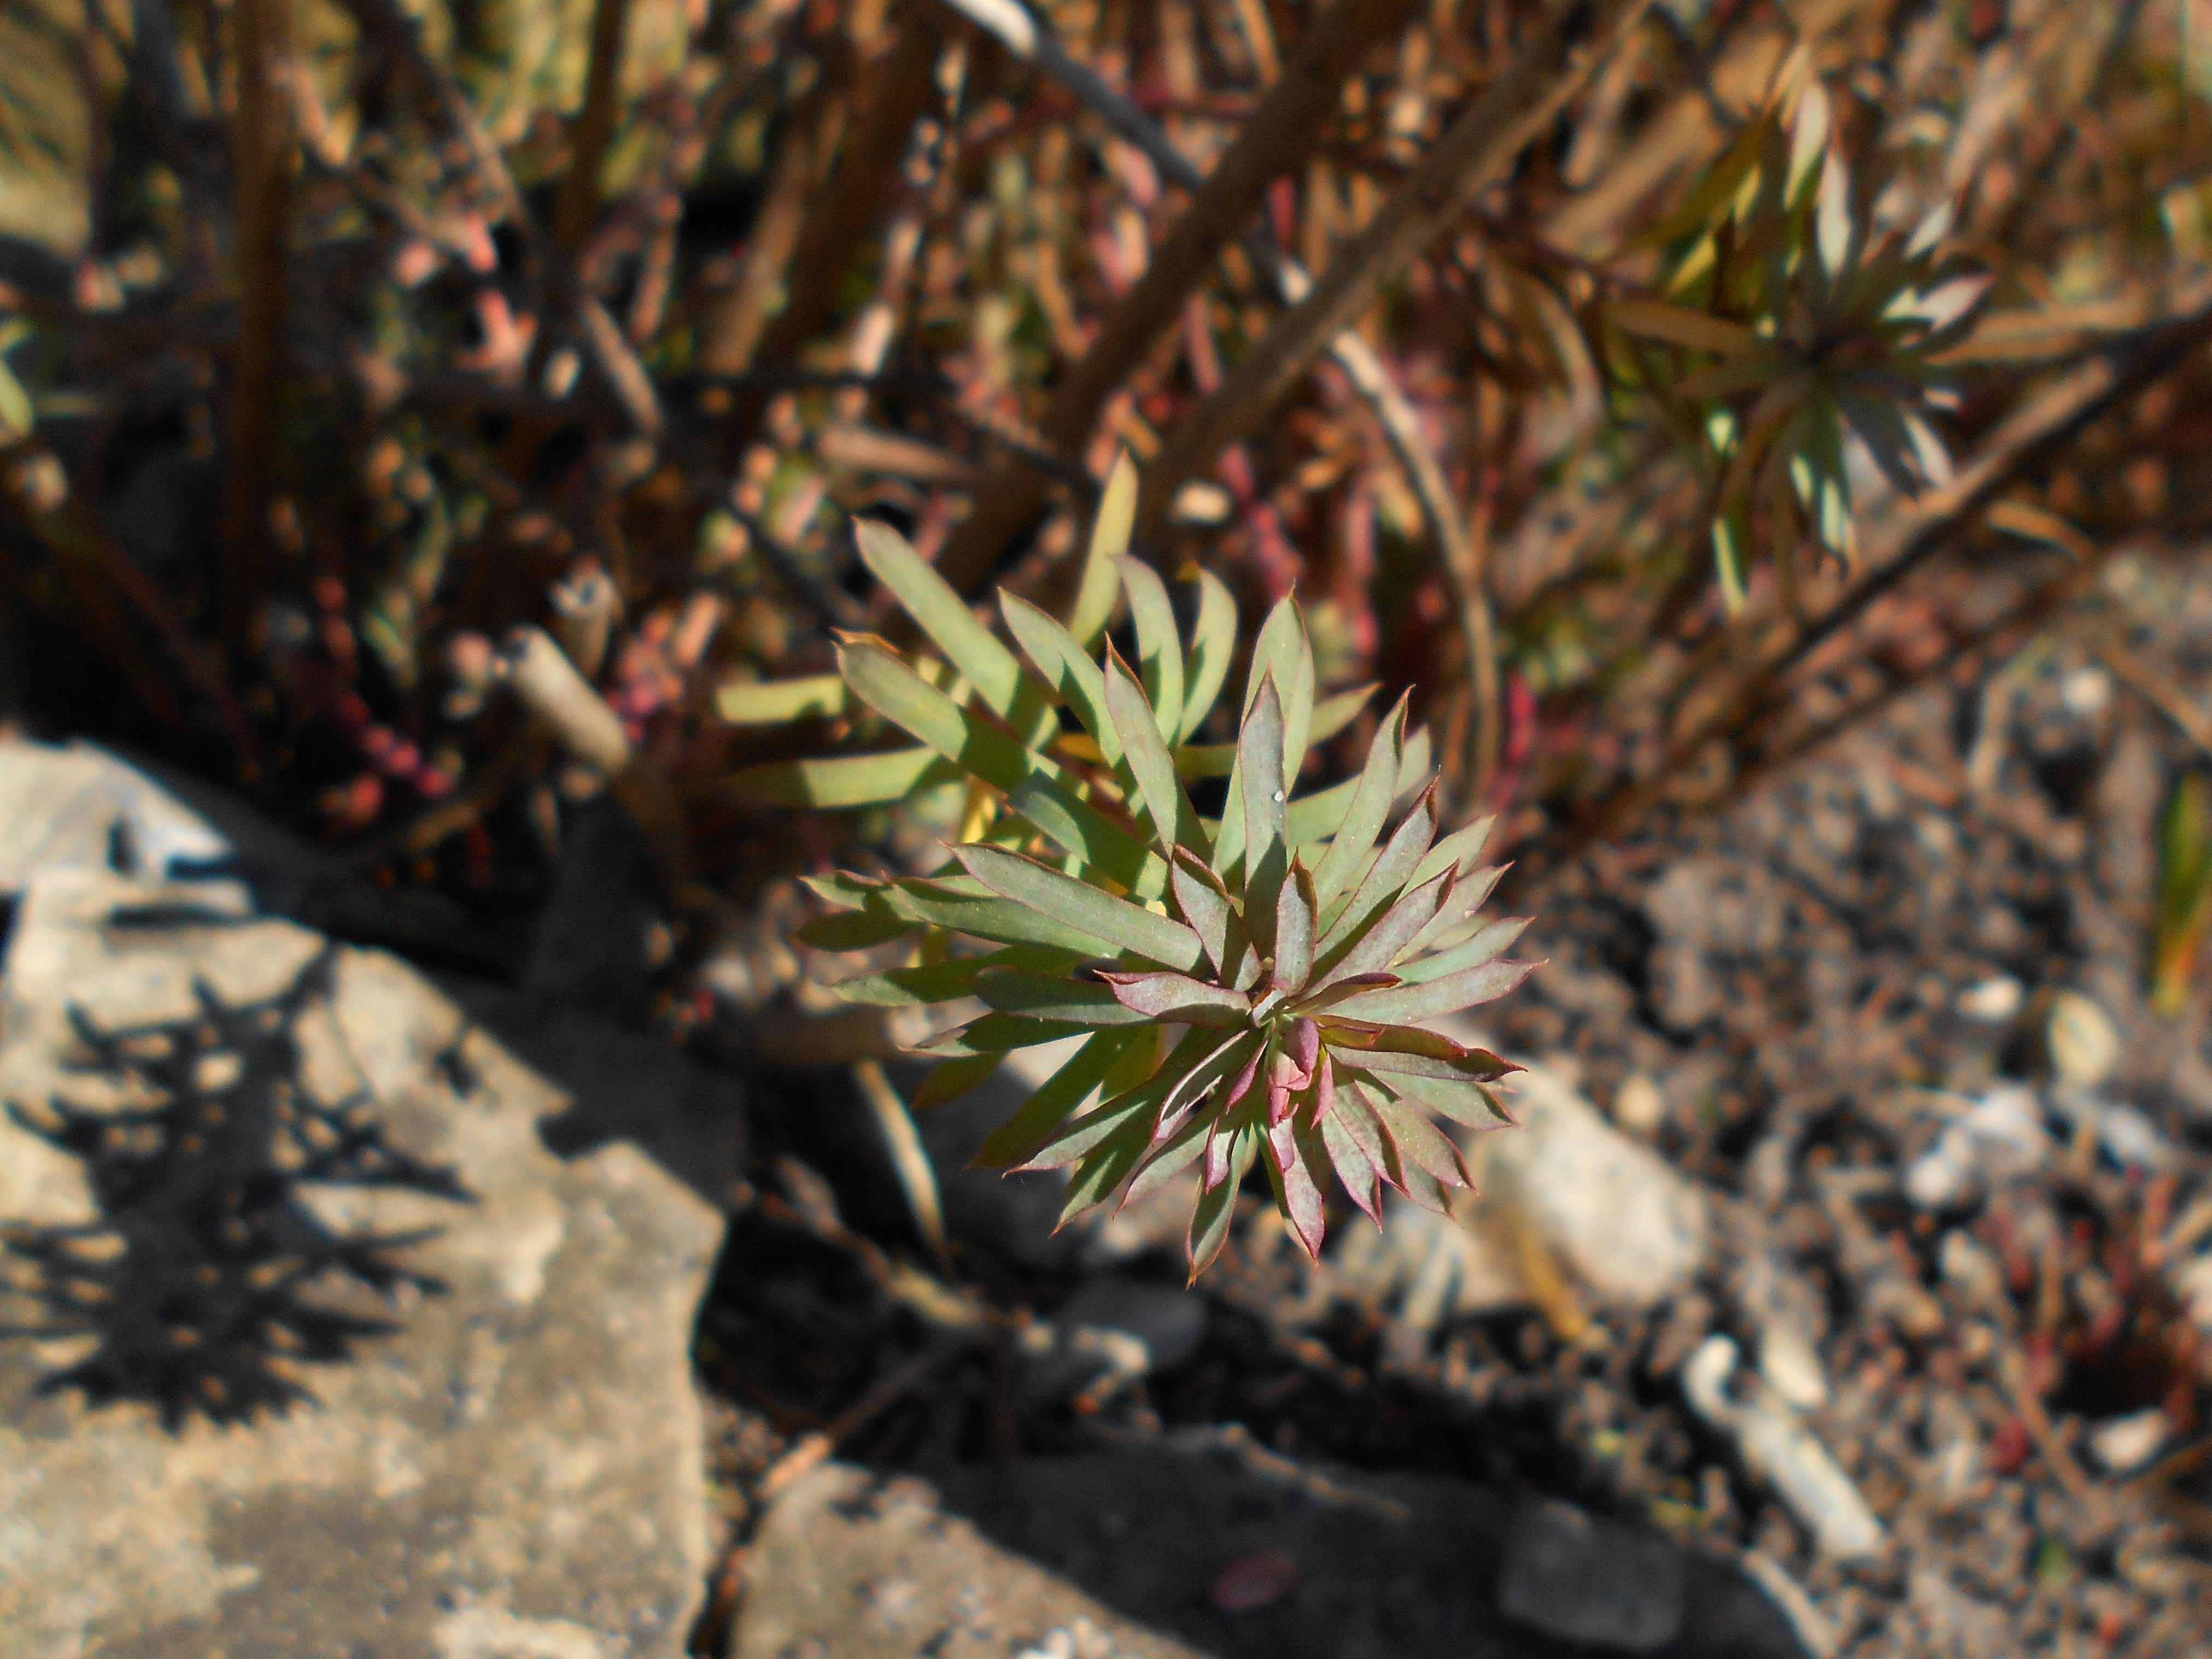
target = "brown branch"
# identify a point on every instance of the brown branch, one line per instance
(1474, 155)
(259, 143)
(1281, 132)
(896, 87)
(578, 207)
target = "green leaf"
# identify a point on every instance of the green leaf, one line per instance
(1056, 997)
(1380, 946)
(1175, 1155)
(1077, 1136)
(17, 415)
(942, 615)
(1159, 646)
(1462, 1100)
(1469, 987)
(1283, 654)
(1313, 820)
(1046, 891)
(1385, 878)
(1490, 942)
(1001, 920)
(1417, 1139)
(1175, 821)
(1456, 852)
(860, 930)
(1178, 999)
(846, 780)
(1259, 783)
(778, 702)
(1457, 922)
(1034, 785)
(1365, 815)
(1217, 1205)
(1109, 541)
(1103, 1169)
(1065, 667)
(1212, 644)
(1214, 760)
(1205, 906)
(1294, 929)
(951, 1079)
(1016, 1140)
(943, 981)
(1355, 1171)
(999, 1034)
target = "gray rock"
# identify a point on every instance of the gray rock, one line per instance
(848, 1565)
(429, 1382)
(1583, 1579)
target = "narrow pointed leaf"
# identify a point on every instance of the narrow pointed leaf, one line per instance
(1065, 667)
(1490, 942)
(1177, 1153)
(998, 1034)
(1337, 990)
(1159, 646)
(1379, 948)
(1104, 1168)
(1079, 904)
(1001, 920)
(1366, 811)
(1217, 1205)
(1385, 879)
(1314, 818)
(1283, 654)
(853, 930)
(1296, 1191)
(1178, 999)
(1053, 996)
(779, 702)
(1175, 821)
(1212, 643)
(1468, 989)
(1080, 1135)
(1455, 852)
(1294, 929)
(1204, 907)
(942, 981)
(839, 781)
(1456, 922)
(1259, 772)
(1109, 539)
(1469, 1102)
(968, 645)
(1067, 1090)
(1353, 1172)
(1030, 780)
(1418, 1139)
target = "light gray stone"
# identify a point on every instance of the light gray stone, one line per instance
(512, 1466)
(851, 1565)
(1581, 1578)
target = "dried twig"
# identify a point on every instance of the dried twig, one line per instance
(1281, 132)
(1518, 105)
(259, 143)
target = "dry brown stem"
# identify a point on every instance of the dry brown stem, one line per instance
(1474, 154)
(1280, 134)
(579, 204)
(260, 140)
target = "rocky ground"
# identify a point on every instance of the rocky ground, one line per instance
(1845, 1291)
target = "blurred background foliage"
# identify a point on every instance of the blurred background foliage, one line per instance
(1659, 389)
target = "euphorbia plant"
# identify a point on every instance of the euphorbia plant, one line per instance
(1250, 989)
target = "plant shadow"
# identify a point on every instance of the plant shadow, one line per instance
(207, 1284)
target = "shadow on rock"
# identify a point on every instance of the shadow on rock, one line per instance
(208, 1281)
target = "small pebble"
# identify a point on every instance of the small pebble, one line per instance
(2124, 1444)
(1994, 1000)
(1638, 1106)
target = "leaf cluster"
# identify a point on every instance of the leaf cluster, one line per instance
(1248, 989)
